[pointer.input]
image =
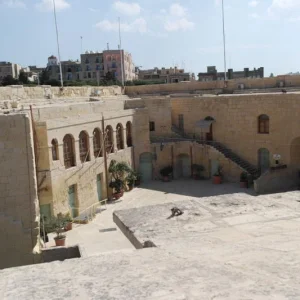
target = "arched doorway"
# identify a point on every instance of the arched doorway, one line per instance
(183, 166)
(295, 153)
(209, 134)
(145, 166)
(263, 159)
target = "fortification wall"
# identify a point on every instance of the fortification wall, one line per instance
(21, 93)
(19, 211)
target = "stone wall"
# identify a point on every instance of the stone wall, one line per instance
(19, 211)
(236, 121)
(197, 86)
(19, 92)
(275, 181)
(54, 179)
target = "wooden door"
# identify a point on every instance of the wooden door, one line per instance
(209, 135)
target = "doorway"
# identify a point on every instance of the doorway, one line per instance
(183, 166)
(72, 200)
(263, 160)
(209, 134)
(214, 167)
(145, 167)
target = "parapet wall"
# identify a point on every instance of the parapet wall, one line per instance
(19, 92)
(198, 86)
(19, 210)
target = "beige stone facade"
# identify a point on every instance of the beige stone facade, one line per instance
(156, 143)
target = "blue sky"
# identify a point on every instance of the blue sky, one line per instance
(186, 33)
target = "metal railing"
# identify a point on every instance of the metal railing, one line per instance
(87, 214)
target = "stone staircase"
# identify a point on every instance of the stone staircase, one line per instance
(228, 153)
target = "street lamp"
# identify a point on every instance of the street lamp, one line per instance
(60, 69)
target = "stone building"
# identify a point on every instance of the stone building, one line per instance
(8, 68)
(94, 66)
(58, 154)
(212, 74)
(171, 75)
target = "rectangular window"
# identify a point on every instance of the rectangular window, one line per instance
(89, 75)
(151, 126)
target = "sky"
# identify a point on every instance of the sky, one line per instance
(158, 33)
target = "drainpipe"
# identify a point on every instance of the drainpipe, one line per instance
(172, 155)
(105, 156)
(191, 153)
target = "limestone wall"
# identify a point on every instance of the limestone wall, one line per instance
(197, 86)
(19, 212)
(55, 180)
(236, 121)
(277, 181)
(19, 92)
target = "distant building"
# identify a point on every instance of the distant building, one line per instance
(212, 74)
(94, 66)
(71, 70)
(8, 68)
(171, 75)
(112, 63)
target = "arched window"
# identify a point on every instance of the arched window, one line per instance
(109, 144)
(97, 142)
(119, 136)
(84, 147)
(69, 70)
(97, 60)
(54, 147)
(69, 153)
(128, 134)
(263, 124)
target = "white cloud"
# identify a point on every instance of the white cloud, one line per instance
(93, 9)
(253, 3)
(177, 10)
(181, 24)
(138, 25)
(130, 9)
(14, 3)
(254, 16)
(294, 19)
(47, 5)
(281, 7)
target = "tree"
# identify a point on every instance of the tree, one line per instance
(44, 77)
(9, 80)
(23, 78)
(272, 75)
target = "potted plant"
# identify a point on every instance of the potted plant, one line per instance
(130, 180)
(69, 222)
(57, 225)
(117, 185)
(217, 177)
(244, 180)
(118, 171)
(137, 182)
(166, 172)
(196, 171)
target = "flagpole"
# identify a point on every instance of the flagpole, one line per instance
(121, 52)
(57, 40)
(224, 43)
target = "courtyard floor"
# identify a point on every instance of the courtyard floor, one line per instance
(102, 234)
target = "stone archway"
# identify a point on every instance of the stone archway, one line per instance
(295, 153)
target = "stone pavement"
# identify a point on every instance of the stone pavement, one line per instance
(93, 241)
(231, 246)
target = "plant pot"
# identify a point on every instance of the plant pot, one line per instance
(69, 226)
(61, 242)
(217, 179)
(196, 176)
(137, 182)
(166, 179)
(243, 184)
(130, 187)
(118, 195)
